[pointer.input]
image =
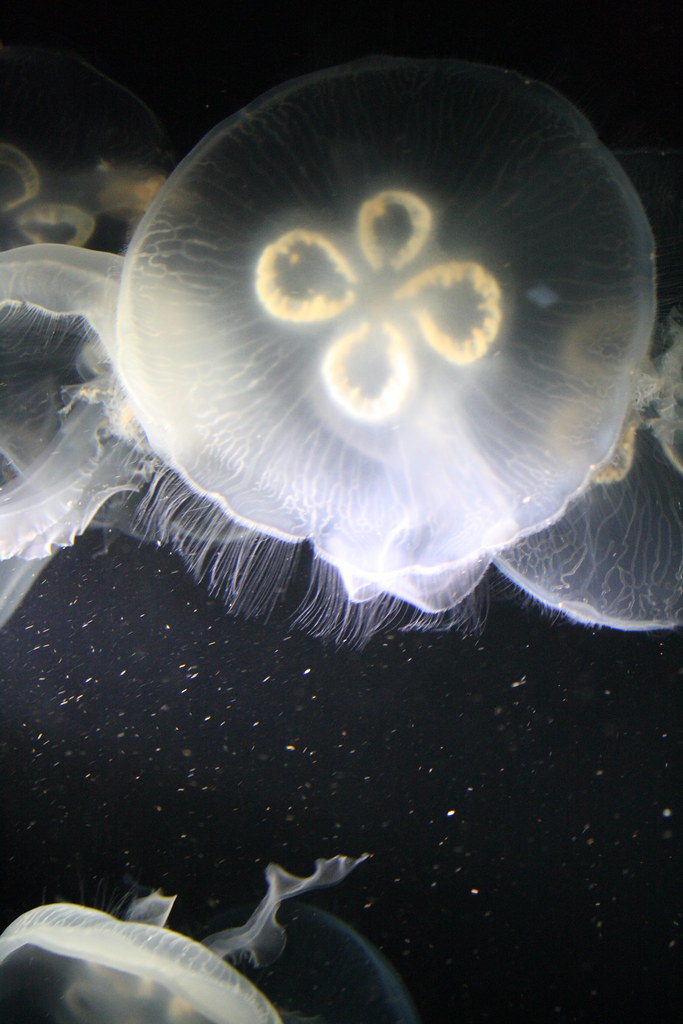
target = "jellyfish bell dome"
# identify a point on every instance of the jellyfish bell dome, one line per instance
(393, 308)
(402, 310)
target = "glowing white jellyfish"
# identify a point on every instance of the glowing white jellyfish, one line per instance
(402, 310)
(75, 965)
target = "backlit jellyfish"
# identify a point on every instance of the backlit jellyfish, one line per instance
(70, 964)
(80, 160)
(401, 310)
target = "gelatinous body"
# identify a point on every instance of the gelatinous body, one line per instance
(401, 310)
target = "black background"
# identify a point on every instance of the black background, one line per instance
(520, 789)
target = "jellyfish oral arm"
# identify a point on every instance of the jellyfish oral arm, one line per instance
(45, 504)
(667, 426)
(262, 939)
(46, 508)
(152, 909)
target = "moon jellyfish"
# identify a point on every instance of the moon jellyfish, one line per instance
(75, 965)
(81, 158)
(403, 311)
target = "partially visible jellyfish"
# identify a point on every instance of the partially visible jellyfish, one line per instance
(330, 973)
(81, 158)
(75, 965)
(401, 310)
(616, 554)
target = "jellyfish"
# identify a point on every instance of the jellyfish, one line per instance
(81, 158)
(75, 965)
(402, 312)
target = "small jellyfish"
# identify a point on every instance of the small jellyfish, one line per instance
(403, 311)
(75, 965)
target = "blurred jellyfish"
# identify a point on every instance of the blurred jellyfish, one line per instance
(81, 158)
(75, 965)
(402, 310)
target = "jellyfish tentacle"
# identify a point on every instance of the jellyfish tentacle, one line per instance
(17, 576)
